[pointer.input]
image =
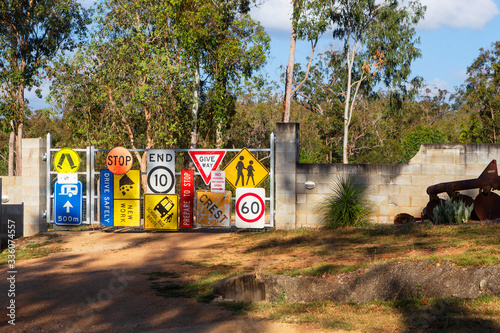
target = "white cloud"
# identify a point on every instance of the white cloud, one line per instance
(461, 75)
(438, 83)
(473, 14)
(86, 3)
(458, 13)
(274, 14)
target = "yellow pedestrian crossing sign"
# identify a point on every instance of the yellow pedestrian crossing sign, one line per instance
(66, 160)
(245, 170)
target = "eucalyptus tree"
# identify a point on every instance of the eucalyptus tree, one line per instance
(32, 32)
(234, 48)
(480, 97)
(130, 85)
(378, 46)
(135, 83)
(309, 21)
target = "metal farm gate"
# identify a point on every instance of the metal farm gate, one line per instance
(93, 160)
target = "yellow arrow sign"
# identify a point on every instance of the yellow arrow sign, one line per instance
(245, 170)
(66, 160)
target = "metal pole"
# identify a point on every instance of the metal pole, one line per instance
(48, 183)
(89, 186)
(92, 182)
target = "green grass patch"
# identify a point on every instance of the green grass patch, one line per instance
(238, 308)
(476, 257)
(33, 247)
(377, 242)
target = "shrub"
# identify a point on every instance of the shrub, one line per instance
(347, 206)
(452, 211)
(412, 140)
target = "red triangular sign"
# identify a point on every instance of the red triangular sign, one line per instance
(207, 161)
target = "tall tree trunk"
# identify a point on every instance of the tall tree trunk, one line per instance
(347, 106)
(12, 143)
(291, 62)
(20, 125)
(218, 135)
(194, 112)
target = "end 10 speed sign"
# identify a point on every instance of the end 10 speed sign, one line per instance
(250, 207)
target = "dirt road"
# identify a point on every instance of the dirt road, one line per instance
(99, 285)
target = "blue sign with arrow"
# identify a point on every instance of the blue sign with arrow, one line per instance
(68, 204)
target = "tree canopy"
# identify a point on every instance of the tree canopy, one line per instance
(480, 97)
(177, 74)
(31, 34)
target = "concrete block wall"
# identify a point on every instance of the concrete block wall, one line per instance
(287, 158)
(30, 187)
(392, 189)
(12, 187)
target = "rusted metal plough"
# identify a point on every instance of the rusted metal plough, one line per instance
(486, 203)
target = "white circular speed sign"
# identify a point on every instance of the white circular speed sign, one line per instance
(250, 207)
(161, 179)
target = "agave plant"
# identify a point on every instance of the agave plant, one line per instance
(452, 211)
(347, 206)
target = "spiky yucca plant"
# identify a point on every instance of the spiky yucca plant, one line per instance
(452, 211)
(347, 206)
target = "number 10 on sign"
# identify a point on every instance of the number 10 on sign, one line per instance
(250, 207)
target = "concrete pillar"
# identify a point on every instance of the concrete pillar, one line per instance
(34, 178)
(287, 157)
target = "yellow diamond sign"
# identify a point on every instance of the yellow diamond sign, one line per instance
(245, 170)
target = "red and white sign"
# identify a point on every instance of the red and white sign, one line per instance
(218, 183)
(250, 207)
(187, 195)
(207, 161)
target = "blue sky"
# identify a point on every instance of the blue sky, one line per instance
(451, 35)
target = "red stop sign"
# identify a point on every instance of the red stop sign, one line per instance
(119, 160)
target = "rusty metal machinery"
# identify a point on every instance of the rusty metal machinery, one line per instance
(486, 203)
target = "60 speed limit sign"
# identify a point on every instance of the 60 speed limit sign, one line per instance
(250, 207)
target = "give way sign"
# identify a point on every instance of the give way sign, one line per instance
(207, 161)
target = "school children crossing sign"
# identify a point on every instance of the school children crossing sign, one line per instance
(245, 170)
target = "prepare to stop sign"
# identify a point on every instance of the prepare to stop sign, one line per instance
(250, 207)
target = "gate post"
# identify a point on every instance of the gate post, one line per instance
(34, 182)
(287, 157)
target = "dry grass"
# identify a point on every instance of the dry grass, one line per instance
(323, 252)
